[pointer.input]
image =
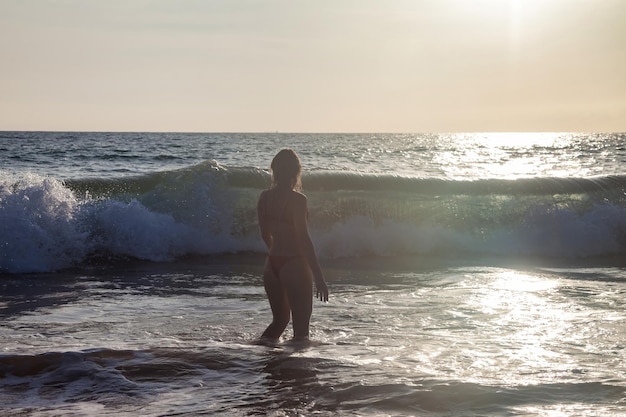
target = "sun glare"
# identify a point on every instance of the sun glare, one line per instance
(515, 10)
(519, 15)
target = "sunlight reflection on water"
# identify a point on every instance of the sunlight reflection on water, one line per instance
(481, 340)
(523, 155)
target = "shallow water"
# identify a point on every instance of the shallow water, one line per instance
(470, 274)
(175, 339)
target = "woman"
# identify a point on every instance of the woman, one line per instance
(291, 265)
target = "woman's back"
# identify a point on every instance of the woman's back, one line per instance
(277, 210)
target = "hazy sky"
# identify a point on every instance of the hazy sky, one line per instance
(313, 66)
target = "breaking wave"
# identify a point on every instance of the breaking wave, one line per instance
(47, 224)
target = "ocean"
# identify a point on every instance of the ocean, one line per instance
(478, 274)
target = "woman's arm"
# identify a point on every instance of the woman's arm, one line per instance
(260, 209)
(306, 247)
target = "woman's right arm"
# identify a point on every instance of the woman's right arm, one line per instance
(260, 209)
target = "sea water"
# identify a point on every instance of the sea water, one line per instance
(470, 274)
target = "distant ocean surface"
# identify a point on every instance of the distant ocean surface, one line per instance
(470, 274)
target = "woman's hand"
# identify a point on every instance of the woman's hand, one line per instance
(321, 290)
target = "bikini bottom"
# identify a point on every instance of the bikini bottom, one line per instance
(277, 262)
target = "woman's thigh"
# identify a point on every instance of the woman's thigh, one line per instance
(297, 278)
(276, 293)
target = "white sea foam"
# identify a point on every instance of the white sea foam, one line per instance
(38, 225)
(45, 227)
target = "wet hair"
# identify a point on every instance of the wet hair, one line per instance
(286, 170)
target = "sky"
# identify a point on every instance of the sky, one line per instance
(313, 66)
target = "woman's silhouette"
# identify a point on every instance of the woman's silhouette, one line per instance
(291, 266)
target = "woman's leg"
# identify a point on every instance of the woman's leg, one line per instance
(279, 303)
(297, 278)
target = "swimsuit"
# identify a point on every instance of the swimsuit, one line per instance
(277, 262)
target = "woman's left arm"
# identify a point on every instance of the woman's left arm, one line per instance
(306, 246)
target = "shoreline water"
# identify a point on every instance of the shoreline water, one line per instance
(468, 276)
(437, 339)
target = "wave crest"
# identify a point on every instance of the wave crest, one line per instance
(47, 224)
